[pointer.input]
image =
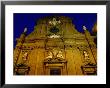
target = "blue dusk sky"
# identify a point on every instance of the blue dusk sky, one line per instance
(22, 20)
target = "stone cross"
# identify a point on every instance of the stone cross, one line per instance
(54, 22)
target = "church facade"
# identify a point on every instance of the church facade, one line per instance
(55, 47)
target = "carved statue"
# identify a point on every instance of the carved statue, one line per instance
(86, 54)
(50, 55)
(84, 28)
(24, 58)
(60, 54)
(86, 57)
(54, 54)
(25, 29)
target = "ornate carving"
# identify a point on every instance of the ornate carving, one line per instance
(24, 58)
(54, 56)
(54, 22)
(60, 54)
(54, 36)
(86, 57)
(55, 60)
(89, 69)
(50, 55)
(21, 69)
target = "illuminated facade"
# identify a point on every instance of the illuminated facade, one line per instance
(55, 47)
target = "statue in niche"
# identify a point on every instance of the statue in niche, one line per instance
(85, 54)
(24, 58)
(22, 68)
(86, 57)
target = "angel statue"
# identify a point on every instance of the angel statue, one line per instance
(60, 54)
(49, 55)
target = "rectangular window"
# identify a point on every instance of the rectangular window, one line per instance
(55, 71)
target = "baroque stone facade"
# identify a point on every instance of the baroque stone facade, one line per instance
(55, 47)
